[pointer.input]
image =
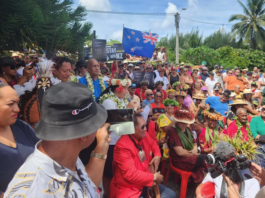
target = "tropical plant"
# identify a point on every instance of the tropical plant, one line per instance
(250, 28)
(112, 41)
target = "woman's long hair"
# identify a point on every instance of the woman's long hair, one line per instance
(110, 88)
(245, 98)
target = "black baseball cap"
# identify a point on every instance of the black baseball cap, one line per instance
(81, 63)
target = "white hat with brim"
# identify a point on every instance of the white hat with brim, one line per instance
(238, 102)
(186, 121)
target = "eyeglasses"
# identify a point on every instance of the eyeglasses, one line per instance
(149, 94)
(143, 126)
(158, 96)
(13, 67)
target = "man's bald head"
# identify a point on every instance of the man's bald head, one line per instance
(241, 110)
(93, 68)
(241, 114)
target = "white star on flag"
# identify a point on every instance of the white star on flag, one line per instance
(133, 32)
(137, 39)
(129, 37)
(132, 50)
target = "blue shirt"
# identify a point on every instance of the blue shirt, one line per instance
(97, 88)
(12, 158)
(217, 105)
(203, 77)
(146, 102)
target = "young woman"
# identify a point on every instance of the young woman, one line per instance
(158, 87)
(173, 77)
(157, 107)
(183, 148)
(164, 122)
(211, 132)
(247, 97)
(180, 95)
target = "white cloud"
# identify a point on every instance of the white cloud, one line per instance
(103, 5)
(169, 21)
(116, 35)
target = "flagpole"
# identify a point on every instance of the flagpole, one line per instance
(122, 32)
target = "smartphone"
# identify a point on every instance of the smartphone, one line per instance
(121, 121)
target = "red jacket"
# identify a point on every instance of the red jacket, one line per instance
(152, 130)
(130, 175)
(232, 130)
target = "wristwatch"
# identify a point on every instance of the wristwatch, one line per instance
(154, 182)
(98, 155)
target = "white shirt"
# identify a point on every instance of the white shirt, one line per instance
(42, 177)
(109, 104)
(164, 80)
(106, 78)
(262, 79)
(210, 84)
(251, 186)
(160, 56)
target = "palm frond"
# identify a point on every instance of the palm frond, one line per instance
(246, 11)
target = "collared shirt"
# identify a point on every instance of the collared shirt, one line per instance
(41, 177)
(97, 88)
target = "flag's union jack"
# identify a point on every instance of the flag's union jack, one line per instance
(149, 37)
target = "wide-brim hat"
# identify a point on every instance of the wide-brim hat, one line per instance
(7, 61)
(199, 96)
(184, 120)
(69, 112)
(184, 116)
(247, 91)
(238, 102)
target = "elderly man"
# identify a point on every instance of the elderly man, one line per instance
(237, 79)
(70, 121)
(219, 104)
(131, 159)
(237, 92)
(204, 75)
(93, 79)
(240, 125)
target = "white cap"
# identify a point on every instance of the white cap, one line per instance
(130, 65)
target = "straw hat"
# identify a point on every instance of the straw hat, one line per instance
(181, 93)
(238, 102)
(171, 91)
(212, 115)
(184, 116)
(199, 96)
(247, 91)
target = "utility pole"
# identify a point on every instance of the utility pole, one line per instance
(177, 19)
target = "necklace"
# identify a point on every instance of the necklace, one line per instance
(141, 153)
(170, 117)
(115, 99)
(91, 85)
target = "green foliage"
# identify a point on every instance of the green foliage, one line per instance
(111, 42)
(199, 54)
(250, 28)
(49, 24)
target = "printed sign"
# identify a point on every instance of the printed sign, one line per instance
(99, 49)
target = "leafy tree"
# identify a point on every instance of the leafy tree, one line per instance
(112, 41)
(250, 28)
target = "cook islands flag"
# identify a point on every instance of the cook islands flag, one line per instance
(139, 43)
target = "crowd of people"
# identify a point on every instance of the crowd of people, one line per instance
(58, 143)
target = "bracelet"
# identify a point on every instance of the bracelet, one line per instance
(98, 155)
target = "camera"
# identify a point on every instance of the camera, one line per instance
(236, 167)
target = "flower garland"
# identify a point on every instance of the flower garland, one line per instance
(72, 78)
(239, 132)
(213, 116)
(115, 99)
(168, 102)
(91, 86)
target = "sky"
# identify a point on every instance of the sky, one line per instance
(109, 26)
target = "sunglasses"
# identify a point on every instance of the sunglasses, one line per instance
(158, 96)
(13, 67)
(143, 127)
(149, 94)
(262, 109)
(249, 94)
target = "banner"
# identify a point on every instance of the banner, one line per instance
(139, 76)
(115, 52)
(99, 49)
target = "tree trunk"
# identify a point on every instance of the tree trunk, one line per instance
(251, 38)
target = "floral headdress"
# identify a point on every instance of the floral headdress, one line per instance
(159, 82)
(144, 82)
(185, 116)
(184, 87)
(168, 102)
(213, 116)
(181, 93)
(120, 83)
(171, 91)
(176, 84)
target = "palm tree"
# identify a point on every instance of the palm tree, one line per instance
(250, 29)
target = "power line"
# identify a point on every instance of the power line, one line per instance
(161, 14)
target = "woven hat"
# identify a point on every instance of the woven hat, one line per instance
(182, 63)
(181, 93)
(247, 91)
(199, 96)
(184, 116)
(137, 67)
(181, 67)
(238, 102)
(69, 112)
(212, 115)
